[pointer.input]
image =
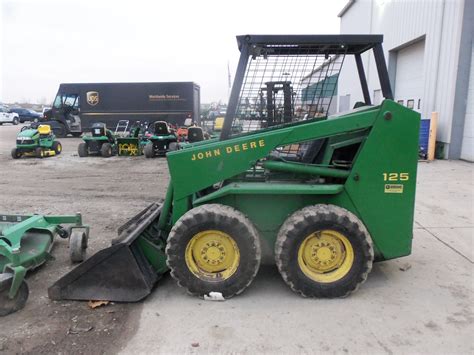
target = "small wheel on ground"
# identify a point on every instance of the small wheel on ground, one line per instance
(106, 150)
(57, 147)
(15, 153)
(213, 248)
(39, 152)
(77, 246)
(10, 305)
(149, 150)
(324, 251)
(82, 150)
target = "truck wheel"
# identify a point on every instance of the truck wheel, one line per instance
(39, 152)
(57, 147)
(82, 150)
(324, 251)
(77, 246)
(59, 131)
(106, 150)
(149, 150)
(15, 121)
(15, 154)
(8, 305)
(213, 248)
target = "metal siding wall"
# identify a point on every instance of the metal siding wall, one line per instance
(402, 22)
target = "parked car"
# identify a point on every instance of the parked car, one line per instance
(8, 117)
(26, 114)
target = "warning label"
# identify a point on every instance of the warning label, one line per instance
(393, 188)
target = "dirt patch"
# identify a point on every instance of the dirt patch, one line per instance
(107, 192)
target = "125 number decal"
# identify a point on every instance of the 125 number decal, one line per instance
(396, 177)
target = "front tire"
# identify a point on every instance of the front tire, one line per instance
(106, 150)
(82, 150)
(213, 248)
(149, 150)
(60, 131)
(15, 121)
(39, 152)
(324, 251)
(15, 153)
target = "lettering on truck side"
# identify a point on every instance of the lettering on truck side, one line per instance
(230, 149)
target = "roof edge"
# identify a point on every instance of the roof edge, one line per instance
(346, 7)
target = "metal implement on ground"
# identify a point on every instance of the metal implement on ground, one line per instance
(322, 195)
(25, 244)
(100, 141)
(36, 141)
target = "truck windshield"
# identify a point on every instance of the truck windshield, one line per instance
(71, 100)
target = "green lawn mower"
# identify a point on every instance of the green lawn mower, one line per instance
(132, 143)
(322, 196)
(36, 141)
(25, 244)
(159, 139)
(100, 141)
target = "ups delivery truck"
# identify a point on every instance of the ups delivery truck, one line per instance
(78, 106)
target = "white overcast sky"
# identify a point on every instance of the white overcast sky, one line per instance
(47, 42)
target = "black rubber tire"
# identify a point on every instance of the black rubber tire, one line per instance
(82, 150)
(309, 220)
(59, 131)
(7, 305)
(106, 150)
(149, 150)
(15, 121)
(57, 147)
(39, 153)
(15, 154)
(216, 217)
(77, 246)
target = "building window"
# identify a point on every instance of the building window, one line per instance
(401, 102)
(411, 103)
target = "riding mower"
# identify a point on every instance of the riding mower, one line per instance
(132, 144)
(342, 200)
(100, 141)
(37, 141)
(25, 244)
(158, 139)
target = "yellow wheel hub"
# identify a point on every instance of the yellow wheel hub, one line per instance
(325, 256)
(212, 254)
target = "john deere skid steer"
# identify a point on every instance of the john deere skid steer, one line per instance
(324, 195)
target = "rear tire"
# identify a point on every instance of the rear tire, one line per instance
(59, 131)
(149, 150)
(82, 150)
(7, 305)
(213, 248)
(15, 121)
(324, 251)
(106, 150)
(39, 153)
(15, 153)
(57, 147)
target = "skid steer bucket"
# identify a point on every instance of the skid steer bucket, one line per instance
(124, 272)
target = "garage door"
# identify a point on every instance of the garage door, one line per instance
(409, 76)
(467, 150)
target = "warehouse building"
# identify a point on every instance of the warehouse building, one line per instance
(429, 52)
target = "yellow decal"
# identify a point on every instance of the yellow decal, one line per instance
(128, 148)
(393, 188)
(230, 149)
(396, 176)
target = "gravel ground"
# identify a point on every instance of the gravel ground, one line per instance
(107, 192)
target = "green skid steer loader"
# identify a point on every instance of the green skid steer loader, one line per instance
(324, 195)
